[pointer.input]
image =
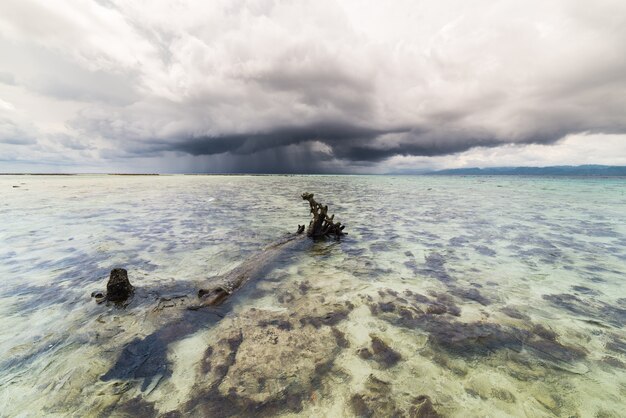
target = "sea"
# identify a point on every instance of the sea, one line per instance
(451, 296)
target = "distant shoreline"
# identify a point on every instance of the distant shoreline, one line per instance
(81, 174)
(597, 171)
(589, 170)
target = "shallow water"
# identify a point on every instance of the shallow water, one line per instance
(468, 296)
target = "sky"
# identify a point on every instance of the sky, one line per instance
(354, 86)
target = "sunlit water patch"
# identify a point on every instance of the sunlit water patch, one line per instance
(456, 296)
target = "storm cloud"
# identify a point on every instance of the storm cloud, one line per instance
(306, 86)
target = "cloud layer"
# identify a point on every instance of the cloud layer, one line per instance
(304, 85)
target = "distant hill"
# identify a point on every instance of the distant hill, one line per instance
(560, 170)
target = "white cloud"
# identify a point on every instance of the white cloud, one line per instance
(572, 150)
(4, 105)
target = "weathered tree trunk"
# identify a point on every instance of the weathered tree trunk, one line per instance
(222, 287)
(254, 267)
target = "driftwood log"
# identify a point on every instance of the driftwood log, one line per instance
(253, 268)
(220, 288)
(223, 286)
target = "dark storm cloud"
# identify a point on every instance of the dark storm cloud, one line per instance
(302, 158)
(353, 144)
(346, 142)
(362, 152)
(327, 133)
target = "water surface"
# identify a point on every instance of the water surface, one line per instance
(469, 296)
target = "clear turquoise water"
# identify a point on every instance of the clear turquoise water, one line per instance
(496, 296)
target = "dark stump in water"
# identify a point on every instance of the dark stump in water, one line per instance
(119, 287)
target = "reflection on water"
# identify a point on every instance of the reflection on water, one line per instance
(456, 296)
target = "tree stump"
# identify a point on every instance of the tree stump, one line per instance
(118, 287)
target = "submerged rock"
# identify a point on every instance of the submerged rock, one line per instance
(484, 386)
(435, 266)
(379, 400)
(474, 338)
(616, 344)
(267, 361)
(135, 407)
(514, 313)
(374, 400)
(548, 400)
(469, 294)
(340, 338)
(589, 308)
(410, 307)
(613, 362)
(384, 355)
(423, 408)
